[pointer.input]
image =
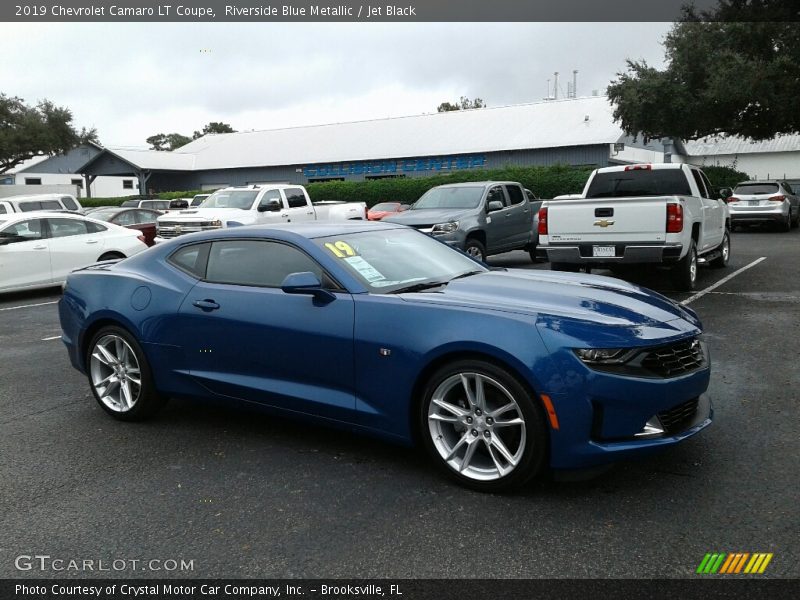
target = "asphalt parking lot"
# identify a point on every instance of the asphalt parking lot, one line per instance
(248, 495)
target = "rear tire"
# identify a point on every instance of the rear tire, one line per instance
(482, 427)
(684, 273)
(120, 377)
(786, 224)
(725, 253)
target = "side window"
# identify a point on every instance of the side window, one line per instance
(66, 227)
(125, 218)
(295, 197)
(256, 262)
(30, 206)
(700, 185)
(144, 217)
(69, 203)
(269, 197)
(496, 195)
(2, 209)
(191, 259)
(24, 231)
(712, 193)
(515, 195)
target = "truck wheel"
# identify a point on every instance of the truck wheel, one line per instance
(475, 249)
(532, 254)
(725, 253)
(684, 274)
(569, 268)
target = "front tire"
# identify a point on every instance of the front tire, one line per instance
(684, 273)
(120, 377)
(481, 426)
(475, 249)
(725, 253)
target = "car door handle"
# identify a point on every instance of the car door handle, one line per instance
(91, 241)
(40, 247)
(206, 304)
(310, 212)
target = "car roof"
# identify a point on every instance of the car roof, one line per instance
(28, 197)
(478, 183)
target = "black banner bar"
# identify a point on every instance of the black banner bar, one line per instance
(705, 587)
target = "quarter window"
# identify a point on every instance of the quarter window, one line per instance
(191, 259)
(256, 263)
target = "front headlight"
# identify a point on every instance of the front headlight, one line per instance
(216, 223)
(449, 227)
(604, 356)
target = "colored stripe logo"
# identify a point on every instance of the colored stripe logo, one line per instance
(734, 563)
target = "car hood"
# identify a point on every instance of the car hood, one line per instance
(553, 296)
(428, 216)
(200, 214)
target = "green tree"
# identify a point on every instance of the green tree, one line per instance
(463, 104)
(41, 130)
(169, 141)
(214, 127)
(734, 70)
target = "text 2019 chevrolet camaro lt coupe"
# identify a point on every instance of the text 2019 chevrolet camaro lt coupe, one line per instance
(381, 329)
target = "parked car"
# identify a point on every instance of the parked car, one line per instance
(499, 374)
(162, 205)
(141, 219)
(38, 202)
(40, 249)
(769, 201)
(658, 214)
(481, 218)
(384, 209)
(255, 204)
(198, 199)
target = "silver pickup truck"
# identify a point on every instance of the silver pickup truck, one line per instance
(481, 218)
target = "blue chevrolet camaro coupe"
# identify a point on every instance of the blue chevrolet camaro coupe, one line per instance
(380, 329)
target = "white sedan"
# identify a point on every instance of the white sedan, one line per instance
(40, 249)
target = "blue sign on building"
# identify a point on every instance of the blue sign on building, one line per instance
(394, 167)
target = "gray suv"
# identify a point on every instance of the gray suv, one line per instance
(481, 218)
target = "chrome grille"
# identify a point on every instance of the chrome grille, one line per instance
(675, 419)
(675, 359)
(171, 229)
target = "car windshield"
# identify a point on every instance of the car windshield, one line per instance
(387, 206)
(450, 197)
(756, 188)
(391, 260)
(639, 182)
(230, 199)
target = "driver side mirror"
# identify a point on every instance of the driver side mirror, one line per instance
(494, 206)
(271, 206)
(725, 193)
(306, 283)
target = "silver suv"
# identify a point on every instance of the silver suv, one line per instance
(767, 201)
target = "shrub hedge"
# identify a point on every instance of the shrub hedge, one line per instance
(545, 182)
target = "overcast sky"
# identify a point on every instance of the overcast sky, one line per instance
(133, 80)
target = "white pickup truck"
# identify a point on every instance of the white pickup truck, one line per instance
(666, 214)
(253, 205)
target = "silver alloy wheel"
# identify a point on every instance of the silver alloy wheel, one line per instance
(693, 266)
(726, 248)
(476, 426)
(474, 252)
(115, 374)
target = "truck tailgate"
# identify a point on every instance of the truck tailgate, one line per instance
(641, 219)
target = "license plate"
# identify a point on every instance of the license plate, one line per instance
(753, 202)
(603, 251)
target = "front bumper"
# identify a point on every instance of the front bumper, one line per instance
(624, 253)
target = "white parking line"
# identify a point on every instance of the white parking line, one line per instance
(702, 293)
(29, 305)
(55, 337)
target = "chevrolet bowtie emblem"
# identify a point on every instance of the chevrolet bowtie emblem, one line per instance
(603, 223)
